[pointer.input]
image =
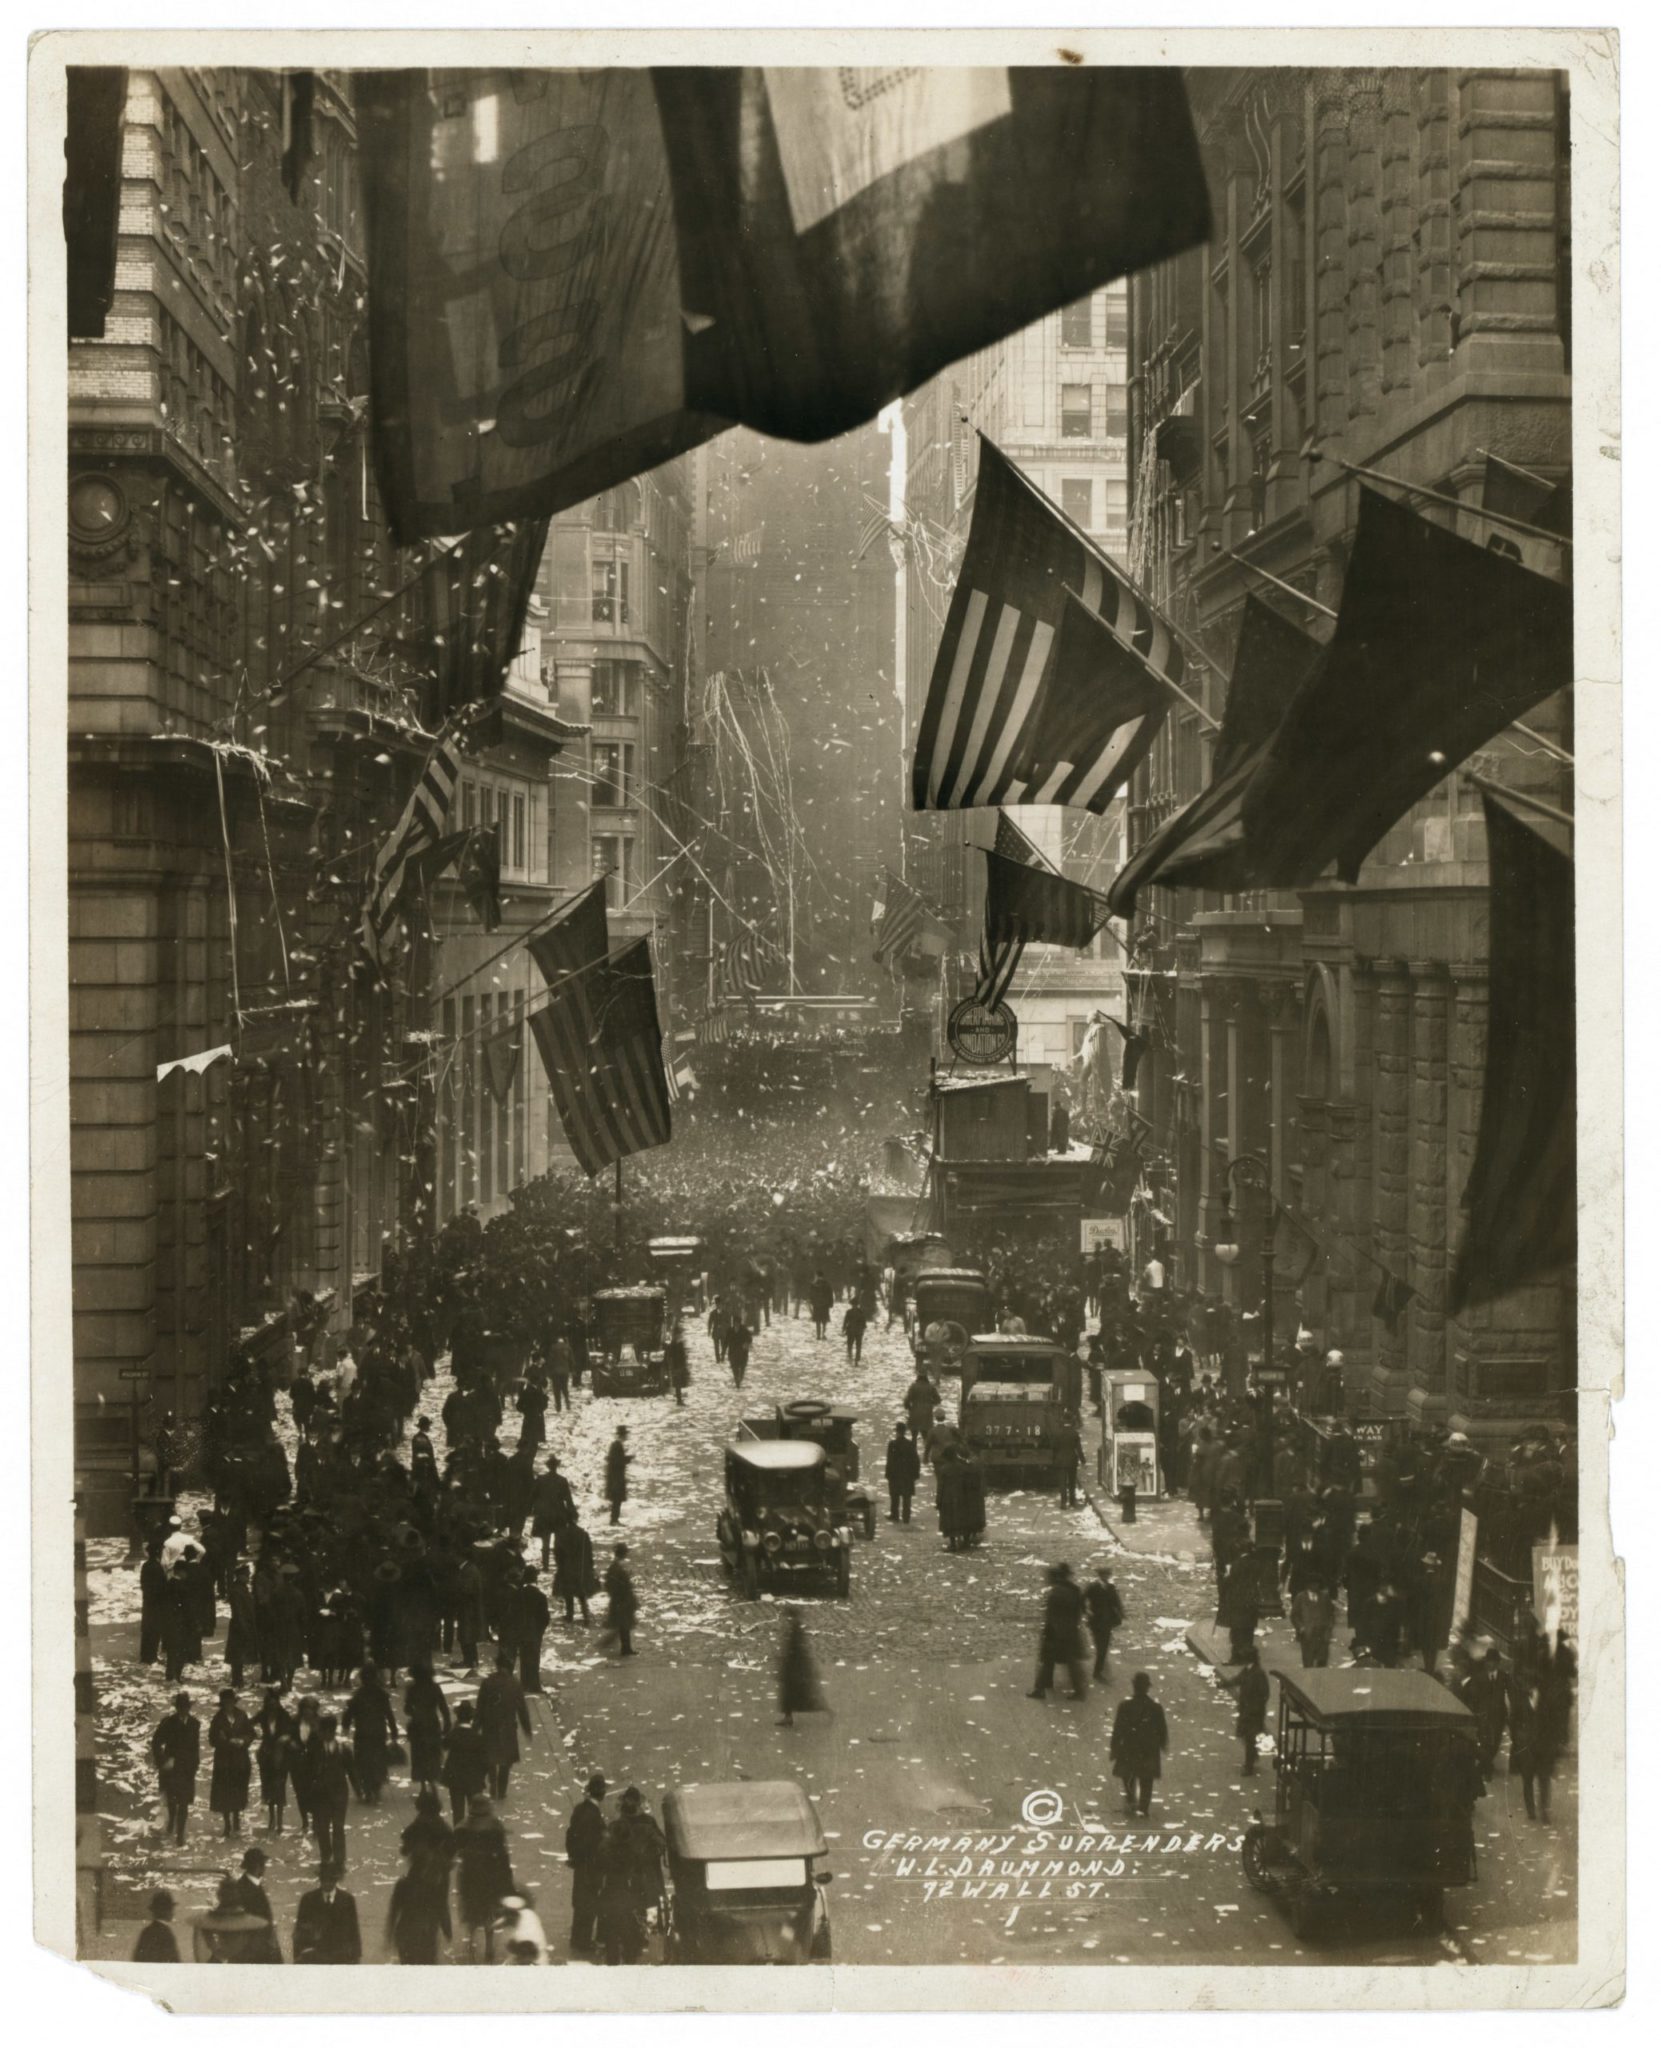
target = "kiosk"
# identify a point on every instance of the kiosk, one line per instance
(1129, 1454)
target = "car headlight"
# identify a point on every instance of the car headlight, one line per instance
(822, 1539)
(773, 1540)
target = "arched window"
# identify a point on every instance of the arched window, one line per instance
(1320, 1056)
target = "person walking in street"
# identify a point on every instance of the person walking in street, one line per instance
(1140, 1738)
(330, 1793)
(1104, 1611)
(585, 1841)
(426, 1725)
(1484, 1691)
(799, 1688)
(176, 1751)
(157, 1943)
(552, 1505)
(854, 1324)
(252, 1897)
(418, 1915)
(618, 1461)
(181, 1637)
(1061, 1638)
(466, 1761)
(1536, 1742)
(678, 1360)
(1313, 1615)
(1202, 1473)
(820, 1299)
(740, 1339)
(326, 1924)
(274, 1756)
(530, 1625)
(502, 1715)
(901, 1468)
(1251, 1686)
(574, 1578)
(152, 1602)
(369, 1720)
(231, 1738)
(484, 1873)
(921, 1399)
(631, 1880)
(556, 1356)
(1071, 1462)
(242, 1633)
(621, 1603)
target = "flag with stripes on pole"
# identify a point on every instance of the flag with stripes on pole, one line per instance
(602, 1048)
(1000, 955)
(905, 922)
(1026, 905)
(418, 830)
(1054, 674)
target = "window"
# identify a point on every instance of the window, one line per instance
(613, 774)
(1118, 319)
(1075, 325)
(519, 845)
(469, 806)
(1262, 300)
(487, 805)
(609, 583)
(614, 858)
(1116, 426)
(613, 693)
(1297, 272)
(1075, 412)
(1076, 495)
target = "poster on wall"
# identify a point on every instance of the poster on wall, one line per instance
(1136, 1463)
(1557, 1589)
(1464, 1570)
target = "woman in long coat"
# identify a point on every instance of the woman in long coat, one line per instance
(369, 1720)
(231, 1738)
(427, 1723)
(275, 1756)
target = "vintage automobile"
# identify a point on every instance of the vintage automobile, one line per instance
(626, 1342)
(678, 1260)
(784, 1519)
(1376, 1777)
(742, 1882)
(951, 1304)
(1018, 1401)
(822, 1422)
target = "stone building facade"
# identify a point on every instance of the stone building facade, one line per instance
(224, 802)
(1387, 288)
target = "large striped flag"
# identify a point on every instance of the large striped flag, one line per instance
(602, 1049)
(420, 827)
(1027, 905)
(1000, 954)
(741, 968)
(907, 923)
(469, 612)
(1052, 676)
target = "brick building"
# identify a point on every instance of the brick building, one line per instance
(1053, 399)
(224, 525)
(1387, 287)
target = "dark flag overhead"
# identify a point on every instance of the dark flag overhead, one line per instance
(467, 614)
(525, 304)
(1200, 845)
(1521, 1194)
(1030, 906)
(94, 133)
(1440, 644)
(1049, 683)
(846, 233)
(419, 829)
(1520, 494)
(602, 1047)
(575, 940)
(1391, 1301)
(1000, 954)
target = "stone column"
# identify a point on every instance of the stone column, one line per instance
(1505, 176)
(1284, 1012)
(1428, 1205)
(1433, 233)
(1364, 248)
(1396, 167)
(1391, 1003)
(1330, 180)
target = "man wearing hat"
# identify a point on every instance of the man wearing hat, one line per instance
(552, 1505)
(176, 1751)
(585, 1841)
(631, 1880)
(157, 1943)
(252, 1897)
(618, 1461)
(326, 1925)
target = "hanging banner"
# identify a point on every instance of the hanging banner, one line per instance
(193, 1063)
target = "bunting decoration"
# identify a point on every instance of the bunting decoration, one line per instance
(577, 274)
(1521, 1193)
(1053, 675)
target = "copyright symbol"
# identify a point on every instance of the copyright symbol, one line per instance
(1041, 1809)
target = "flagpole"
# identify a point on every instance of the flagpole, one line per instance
(617, 1238)
(1401, 483)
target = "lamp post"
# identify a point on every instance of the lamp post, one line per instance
(1251, 1169)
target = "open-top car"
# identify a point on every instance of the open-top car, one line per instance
(831, 1426)
(742, 1882)
(785, 1519)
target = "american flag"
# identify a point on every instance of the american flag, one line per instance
(1026, 903)
(1001, 956)
(741, 967)
(602, 1047)
(1053, 675)
(419, 828)
(906, 922)
(712, 1028)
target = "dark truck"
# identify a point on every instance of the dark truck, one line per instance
(1019, 1401)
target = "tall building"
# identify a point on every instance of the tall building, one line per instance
(1053, 398)
(1388, 288)
(238, 749)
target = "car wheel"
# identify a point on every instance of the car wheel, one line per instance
(1255, 1859)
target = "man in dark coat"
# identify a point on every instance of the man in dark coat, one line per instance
(242, 1635)
(1104, 1611)
(552, 1505)
(502, 1714)
(1138, 1744)
(466, 1762)
(326, 1925)
(181, 1637)
(530, 1625)
(1483, 1690)
(152, 1593)
(618, 1462)
(1070, 1462)
(819, 1299)
(585, 1841)
(1237, 1607)
(631, 1879)
(331, 1785)
(901, 1468)
(1061, 1641)
(157, 1943)
(1251, 1684)
(621, 1603)
(252, 1897)
(740, 1337)
(678, 1360)
(574, 1577)
(176, 1751)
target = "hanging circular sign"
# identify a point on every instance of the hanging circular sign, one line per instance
(980, 1036)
